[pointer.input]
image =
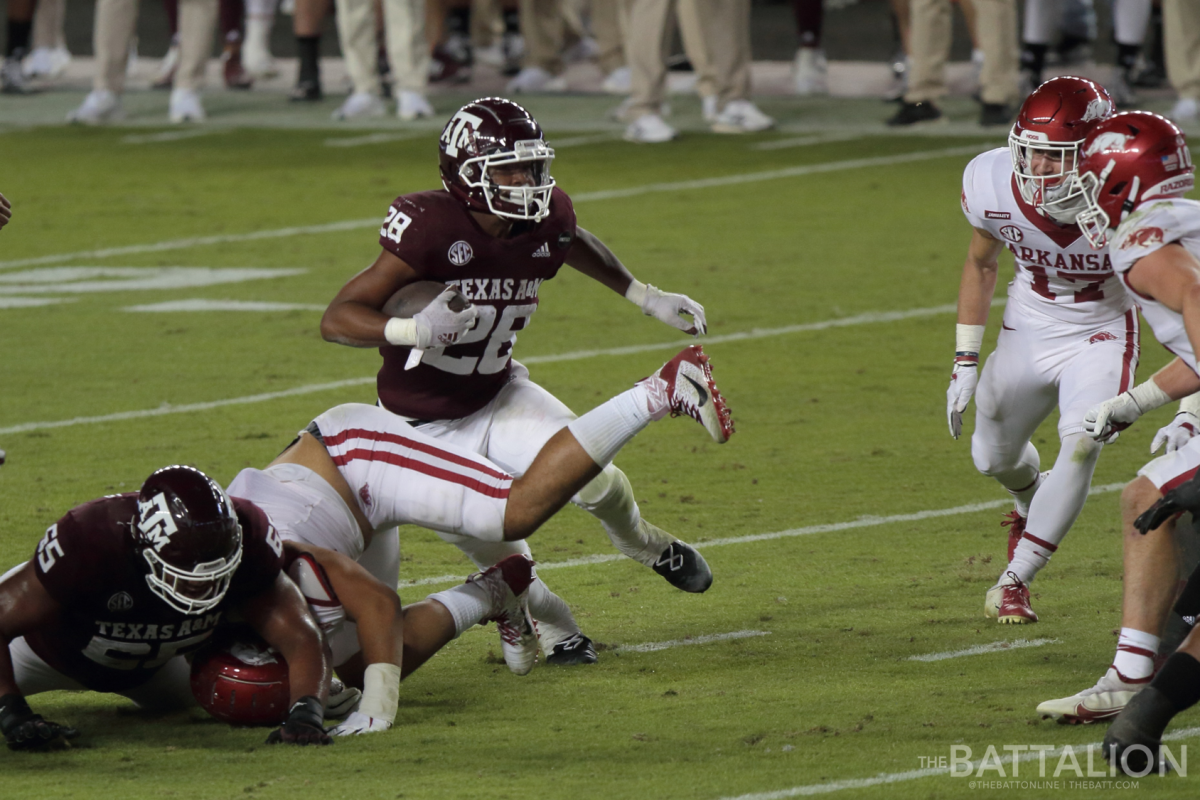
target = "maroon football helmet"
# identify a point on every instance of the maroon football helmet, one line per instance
(490, 133)
(1126, 160)
(1050, 126)
(242, 681)
(188, 532)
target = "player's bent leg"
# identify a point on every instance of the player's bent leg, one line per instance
(33, 675)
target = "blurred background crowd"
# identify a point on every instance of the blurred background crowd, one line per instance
(394, 52)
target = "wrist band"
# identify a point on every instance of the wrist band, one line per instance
(968, 339)
(381, 692)
(1149, 396)
(636, 293)
(400, 331)
(1191, 404)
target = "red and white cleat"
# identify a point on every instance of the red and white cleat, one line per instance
(506, 583)
(1009, 603)
(1016, 529)
(684, 387)
(1103, 701)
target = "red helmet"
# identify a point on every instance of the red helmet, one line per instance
(243, 681)
(490, 133)
(1053, 122)
(1129, 159)
(188, 532)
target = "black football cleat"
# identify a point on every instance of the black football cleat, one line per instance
(572, 651)
(684, 568)
(916, 114)
(1133, 740)
(306, 92)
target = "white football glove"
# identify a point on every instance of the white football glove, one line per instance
(670, 308)
(358, 723)
(438, 326)
(1176, 434)
(963, 381)
(1105, 422)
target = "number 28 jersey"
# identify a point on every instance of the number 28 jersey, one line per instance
(436, 236)
(113, 633)
(1058, 275)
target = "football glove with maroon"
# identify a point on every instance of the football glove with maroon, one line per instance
(304, 724)
(25, 730)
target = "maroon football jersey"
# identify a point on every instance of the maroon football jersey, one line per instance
(436, 236)
(113, 633)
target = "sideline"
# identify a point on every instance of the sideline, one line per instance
(583, 197)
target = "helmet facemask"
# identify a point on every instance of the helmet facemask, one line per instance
(191, 591)
(1094, 221)
(530, 202)
(1055, 192)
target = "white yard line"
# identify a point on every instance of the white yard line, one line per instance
(831, 527)
(758, 333)
(374, 138)
(805, 141)
(200, 304)
(583, 197)
(653, 647)
(979, 649)
(576, 141)
(1079, 752)
(171, 136)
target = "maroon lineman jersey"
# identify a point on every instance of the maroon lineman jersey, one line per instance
(436, 236)
(113, 633)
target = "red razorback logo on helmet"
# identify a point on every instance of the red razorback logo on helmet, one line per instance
(1102, 336)
(1143, 237)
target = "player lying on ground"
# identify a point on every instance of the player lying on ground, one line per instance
(1069, 336)
(499, 230)
(359, 471)
(394, 642)
(123, 587)
(1135, 170)
(1176, 687)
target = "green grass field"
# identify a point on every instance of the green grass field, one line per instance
(828, 284)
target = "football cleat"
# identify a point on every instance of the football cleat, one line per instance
(1008, 603)
(684, 568)
(684, 387)
(1016, 529)
(572, 651)
(506, 583)
(1132, 742)
(1103, 701)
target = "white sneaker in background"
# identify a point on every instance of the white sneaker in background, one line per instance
(809, 72)
(360, 104)
(708, 107)
(618, 81)
(47, 62)
(99, 107)
(1187, 109)
(256, 49)
(741, 116)
(185, 106)
(535, 79)
(412, 105)
(649, 129)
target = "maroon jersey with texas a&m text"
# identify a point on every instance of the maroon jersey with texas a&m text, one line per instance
(113, 633)
(436, 236)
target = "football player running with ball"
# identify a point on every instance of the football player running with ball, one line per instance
(1069, 335)
(498, 230)
(1134, 172)
(121, 589)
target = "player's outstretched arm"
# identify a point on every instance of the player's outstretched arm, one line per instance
(376, 610)
(592, 257)
(24, 606)
(280, 616)
(1171, 275)
(5, 211)
(975, 291)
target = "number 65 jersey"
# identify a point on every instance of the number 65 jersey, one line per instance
(113, 633)
(1058, 275)
(435, 235)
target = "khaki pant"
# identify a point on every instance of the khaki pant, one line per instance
(1181, 40)
(543, 29)
(610, 23)
(404, 32)
(996, 24)
(114, 27)
(48, 23)
(716, 36)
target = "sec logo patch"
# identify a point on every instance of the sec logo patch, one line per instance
(1012, 233)
(460, 253)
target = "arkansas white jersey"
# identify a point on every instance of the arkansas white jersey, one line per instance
(1058, 274)
(1152, 226)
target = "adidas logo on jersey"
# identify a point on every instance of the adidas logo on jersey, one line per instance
(543, 251)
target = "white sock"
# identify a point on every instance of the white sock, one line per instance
(1130, 20)
(1023, 495)
(604, 430)
(260, 8)
(467, 604)
(555, 621)
(1135, 655)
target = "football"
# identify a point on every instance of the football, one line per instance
(410, 299)
(242, 680)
